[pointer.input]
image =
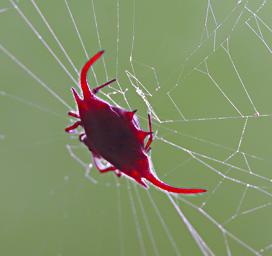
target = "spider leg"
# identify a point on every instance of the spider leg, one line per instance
(147, 150)
(147, 146)
(108, 169)
(96, 90)
(73, 127)
(102, 170)
(73, 114)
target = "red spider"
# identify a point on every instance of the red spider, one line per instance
(114, 134)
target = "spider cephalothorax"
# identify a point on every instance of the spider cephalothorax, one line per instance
(114, 134)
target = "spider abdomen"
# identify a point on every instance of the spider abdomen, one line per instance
(112, 136)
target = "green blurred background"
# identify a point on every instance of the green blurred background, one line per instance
(194, 49)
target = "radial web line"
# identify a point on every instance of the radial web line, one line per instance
(30, 73)
(226, 242)
(247, 163)
(214, 159)
(31, 104)
(237, 211)
(42, 40)
(120, 217)
(207, 142)
(136, 220)
(55, 36)
(131, 57)
(242, 135)
(117, 39)
(220, 227)
(227, 50)
(251, 210)
(167, 231)
(219, 184)
(230, 178)
(215, 118)
(76, 29)
(200, 242)
(198, 156)
(117, 53)
(99, 40)
(155, 75)
(146, 221)
(79, 37)
(87, 167)
(176, 107)
(103, 58)
(220, 89)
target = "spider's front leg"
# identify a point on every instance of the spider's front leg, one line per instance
(147, 146)
(108, 169)
(96, 90)
(102, 170)
(73, 114)
(73, 127)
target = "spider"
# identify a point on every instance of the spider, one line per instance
(113, 134)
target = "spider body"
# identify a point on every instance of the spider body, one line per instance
(114, 134)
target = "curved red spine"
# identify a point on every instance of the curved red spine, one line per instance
(158, 183)
(87, 93)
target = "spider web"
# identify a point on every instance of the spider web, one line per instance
(201, 69)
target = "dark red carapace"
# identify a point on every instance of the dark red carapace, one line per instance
(114, 134)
